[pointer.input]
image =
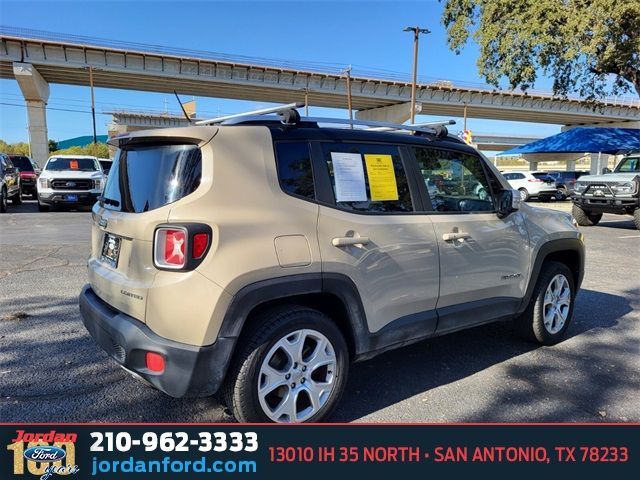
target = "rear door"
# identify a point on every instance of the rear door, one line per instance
(483, 259)
(370, 229)
(145, 180)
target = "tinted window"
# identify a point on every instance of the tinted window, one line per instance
(22, 163)
(367, 177)
(143, 178)
(81, 164)
(294, 168)
(456, 182)
(631, 164)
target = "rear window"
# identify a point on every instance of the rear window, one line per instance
(23, 163)
(144, 178)
(80, 164)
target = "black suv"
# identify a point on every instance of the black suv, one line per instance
(10, 186)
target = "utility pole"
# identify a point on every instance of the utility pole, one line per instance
(93, 111)
(465, 118)
(416, 35)
(349, 103)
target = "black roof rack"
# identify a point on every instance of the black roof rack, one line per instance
(288, 115)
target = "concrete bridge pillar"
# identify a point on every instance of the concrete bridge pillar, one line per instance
(35, 90)
(398, 113)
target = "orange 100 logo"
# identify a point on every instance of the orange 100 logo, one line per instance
(45, 454)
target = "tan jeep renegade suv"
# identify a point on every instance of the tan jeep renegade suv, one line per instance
(260, 258)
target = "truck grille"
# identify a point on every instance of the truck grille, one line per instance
(71, 184)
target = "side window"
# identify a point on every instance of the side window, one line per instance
(294, 168)
(456, 182)
(367, 177)
(508, 176)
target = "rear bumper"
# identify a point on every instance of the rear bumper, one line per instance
(60, 198)
(189, 370)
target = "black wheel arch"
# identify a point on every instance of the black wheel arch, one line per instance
(569, 251)
(333, 294)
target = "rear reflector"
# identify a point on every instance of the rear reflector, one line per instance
(200, 244)
(155, 362)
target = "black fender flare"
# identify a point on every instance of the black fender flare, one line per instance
(257, 293)
(552, 246)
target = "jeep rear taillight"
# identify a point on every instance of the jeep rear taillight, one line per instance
(181, 247)
(170, 248)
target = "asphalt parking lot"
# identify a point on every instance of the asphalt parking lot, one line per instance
(51, 370)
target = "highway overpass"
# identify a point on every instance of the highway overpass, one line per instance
(36, 59)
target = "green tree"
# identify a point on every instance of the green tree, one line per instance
(589, 47)
(53, 145)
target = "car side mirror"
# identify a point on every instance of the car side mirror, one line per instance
(606, 170)
(508, 201)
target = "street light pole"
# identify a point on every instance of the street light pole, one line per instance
(93, 110)
(416, 35)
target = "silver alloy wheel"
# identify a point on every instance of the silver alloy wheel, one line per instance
(297, 376)
(523, 194)
(557, 302)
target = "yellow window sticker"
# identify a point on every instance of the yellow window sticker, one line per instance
(382, 177)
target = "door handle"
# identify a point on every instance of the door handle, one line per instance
(349, 241)
(450, 237)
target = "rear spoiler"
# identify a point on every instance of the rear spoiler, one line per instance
(192, 135)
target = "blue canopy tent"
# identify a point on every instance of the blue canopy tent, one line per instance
(576, 142)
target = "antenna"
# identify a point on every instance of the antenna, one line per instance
(182, 107)
(282, 109)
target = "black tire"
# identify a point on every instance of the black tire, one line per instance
(560, 194)
(43, 208)
(240, 389)
(524, 194)
(531, 323)
(584, 218)
(3, 201)
(636, 218)
(17, 198)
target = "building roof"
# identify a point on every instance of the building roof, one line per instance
(584, 140)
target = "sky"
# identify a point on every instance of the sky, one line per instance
(367, 35)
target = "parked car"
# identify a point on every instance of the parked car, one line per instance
(29, 172)
(10, 186)
(530, 186)
(105, 163)
(70, 181)
(565, 181)
(616, 192)
(550, 179)
(261, 259)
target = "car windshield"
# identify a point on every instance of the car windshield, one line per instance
(80, 164)
(630, 164)
(22, 163)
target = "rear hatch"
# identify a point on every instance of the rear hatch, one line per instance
(149, 174)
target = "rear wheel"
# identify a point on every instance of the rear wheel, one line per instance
(524, 194)
(550, 309)
(585, 218)
(3, 201)
(560, 194)
(636, 218)
(291, 368)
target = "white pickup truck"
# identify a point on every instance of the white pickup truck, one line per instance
(70, 181)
